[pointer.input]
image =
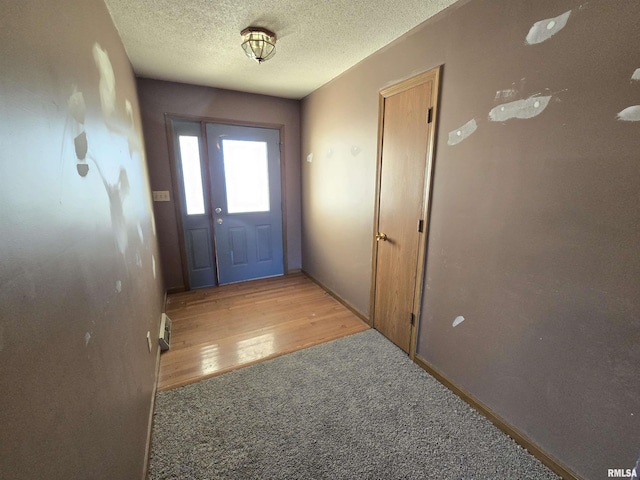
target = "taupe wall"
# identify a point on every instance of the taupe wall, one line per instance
(339, 127)
(78, 288)
(158, 98)
(535, 221)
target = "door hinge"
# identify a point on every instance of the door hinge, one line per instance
(413, 318)
(430, 115)
(420, 226)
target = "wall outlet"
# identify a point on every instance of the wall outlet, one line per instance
(149, 340)
(161, 196)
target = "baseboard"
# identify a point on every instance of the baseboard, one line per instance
(350, 307)
(147, 452)
(549, 460)
(294, 271)
(171, 290)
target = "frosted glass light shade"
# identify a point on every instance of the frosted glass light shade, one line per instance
(259, 44)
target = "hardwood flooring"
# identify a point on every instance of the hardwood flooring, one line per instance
(215, 330)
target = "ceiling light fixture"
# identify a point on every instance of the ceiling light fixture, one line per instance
(258, 43)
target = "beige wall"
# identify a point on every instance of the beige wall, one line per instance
(534, 225)
(79, 290)
(158, 98)
(339, 130)
(339, 125)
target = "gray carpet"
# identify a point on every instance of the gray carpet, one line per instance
(354, 408)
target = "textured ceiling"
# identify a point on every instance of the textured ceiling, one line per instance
(198, 41)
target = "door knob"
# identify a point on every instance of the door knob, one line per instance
(381, 236)
(219, 221)
(218, 210)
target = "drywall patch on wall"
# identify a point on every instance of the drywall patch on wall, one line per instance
(87, 339)
(523, 109)
(117, 192)
(118, 286)
(457, 321)
(153, 265)
(77, 106)
(107, 84)
(547, 28)
(630, 114)
(132, 138)
(112, 116)
(81, 146)
(82, 169)
(507, 94)
(459, 134)
(310, 158)
(355, 150)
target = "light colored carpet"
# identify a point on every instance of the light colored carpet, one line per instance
(354, 408)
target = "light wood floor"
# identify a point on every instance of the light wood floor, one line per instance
(219, 329)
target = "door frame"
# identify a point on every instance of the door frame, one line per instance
(434, 74)
(175, 186)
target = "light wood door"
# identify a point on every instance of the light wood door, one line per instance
(406, 138)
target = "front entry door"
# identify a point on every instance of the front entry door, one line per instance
(246, 200)
(193, 194)
(403, 194)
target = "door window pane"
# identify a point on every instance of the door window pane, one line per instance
(246, 176)
(191, 174)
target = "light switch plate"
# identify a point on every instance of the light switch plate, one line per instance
(161, 196)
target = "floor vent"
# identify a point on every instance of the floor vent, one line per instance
(165, 332)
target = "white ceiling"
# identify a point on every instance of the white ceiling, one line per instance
(198, 41)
